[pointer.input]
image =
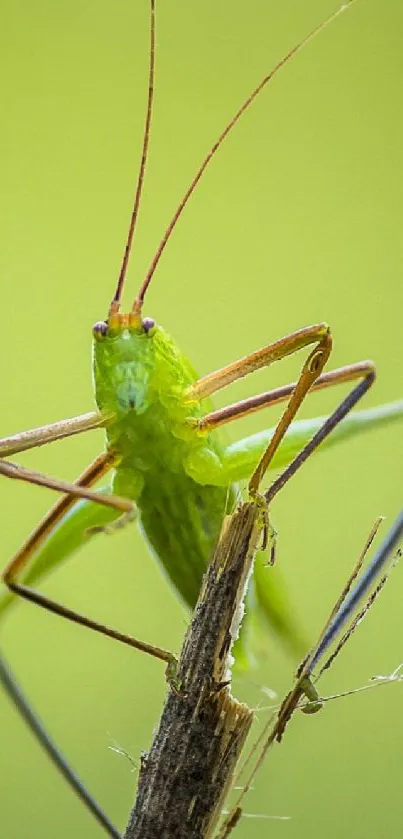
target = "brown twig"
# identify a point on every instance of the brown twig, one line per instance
(189, 769)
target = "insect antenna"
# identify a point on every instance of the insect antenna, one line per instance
(115, 305)
(137, 305)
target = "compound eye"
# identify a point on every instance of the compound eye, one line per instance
(148, 323)
(100, 329)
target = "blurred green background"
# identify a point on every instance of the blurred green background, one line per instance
(297, 220)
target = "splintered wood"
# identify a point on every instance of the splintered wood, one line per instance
(187, 773)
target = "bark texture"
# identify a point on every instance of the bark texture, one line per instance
(189, 769)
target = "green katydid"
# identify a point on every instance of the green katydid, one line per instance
(164, 445)
(163, 441)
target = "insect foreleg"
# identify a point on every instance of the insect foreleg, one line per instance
(318, 334)
(309, 373)
(264, 357)
(241, 459)
(337, 416)
(244, 407)
(19, 562)
(238, 458)
(36, 437)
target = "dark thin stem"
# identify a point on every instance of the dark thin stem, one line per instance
(33, 722)
(357, 593)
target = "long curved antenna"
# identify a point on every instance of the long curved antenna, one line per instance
(244, 107)
(16, 695)
(140, 180)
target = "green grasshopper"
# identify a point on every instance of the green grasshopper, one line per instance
(169, 461)
(164, 447)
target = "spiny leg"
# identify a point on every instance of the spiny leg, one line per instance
(264, 357)
(36, 437)
(245, 407)
(304, 684)
(310, 379)
(309, 373)
(311, 370)
(363, 369)
(96, 470)
(17, 564)
(76, 490)
(99, 467)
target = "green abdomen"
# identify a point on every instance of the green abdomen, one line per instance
(181, 517)
(181, 520)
